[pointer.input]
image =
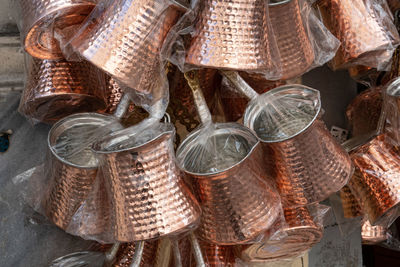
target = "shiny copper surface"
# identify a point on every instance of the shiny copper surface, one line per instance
(70, 174)
(55, 89)
(306, 161)
(236, 201)
(113, 95)
(371, 235)
(41, 19)
(298, 236)
(125, 41)
(376, 178)
(216, 255)
(351, 207)
(149, 198)
(233, 102)
(125, 254)
(230, 34)
(364, 111)
(295, 49)
(358, 72)
(357, 27)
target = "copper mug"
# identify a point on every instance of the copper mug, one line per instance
(295, 48)
(148, 196)
(56, 89)
(230, 35)
(235, 210)
(41, 20)
(72, 166)
(297, 235)
(125, 40)
(358, 28)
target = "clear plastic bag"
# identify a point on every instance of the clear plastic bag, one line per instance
(365, 29)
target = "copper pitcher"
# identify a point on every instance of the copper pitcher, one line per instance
(72, 166)
(41, 20)
(359, 29)
(231, 35)
(295, 49)
(148, 196)
(125, 40)
(56, 89)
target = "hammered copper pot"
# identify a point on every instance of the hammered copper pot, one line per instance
(306, 161)
(295, 48)
(371, 235)
(56, 89)
(351, 207)
(224, 165)
(230, 34)
(148, 196)
(299, 234)
(217, 255)
(359, 29)
(71, 165)
(41, 20)
(125, 40)
(376, 179)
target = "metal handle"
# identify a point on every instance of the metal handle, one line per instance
(198, 256)
(177, 253)
(123, 106)
(240, 83)
(192, 78)
(137, 256)
(112, 252)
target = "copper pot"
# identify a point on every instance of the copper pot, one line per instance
(56, 89)
(351, 207)
(41, 19)
(231, 35)
(125, 41)
(72, 166)
(306, 161)
(148, 196)
(299, 234)
(295, 49)
(358, 28)
(230, 182)
(216, 255)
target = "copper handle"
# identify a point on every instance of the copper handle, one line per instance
(240, 83)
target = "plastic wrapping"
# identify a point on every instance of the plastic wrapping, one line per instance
(372, 235)
(364, 112)
(391, 112)
(365, 29)
(300, 153)
(301, 228)
(265, 42)
(57, 88)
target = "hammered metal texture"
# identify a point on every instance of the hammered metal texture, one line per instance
(300, 234)
(56, 89)
(230, 34)
(217, 256)
(71, 177)
(371, 235)
(113, 95)
(364, 111)
(41, 19)
(237, 204)
(376, 178)
(149, 197)
(357, 27)
(125, 41)
(233, 102)
(125, 253)
(295, 49)
(351, 207)
(309, 167)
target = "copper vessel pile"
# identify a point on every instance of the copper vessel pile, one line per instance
(180, 137)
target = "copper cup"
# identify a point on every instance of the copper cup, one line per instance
(358, 28)
(298, 235)
(364, 111)
(148, 196)
(125, 41)
(126, 251)
(351, 207)
(72, 166)
(237, 202)
(371, 235)
(376, 179)
(216, 255)
(230, 35)
(295, 49)
(56, 89)
(306, 161)
(41, 19)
